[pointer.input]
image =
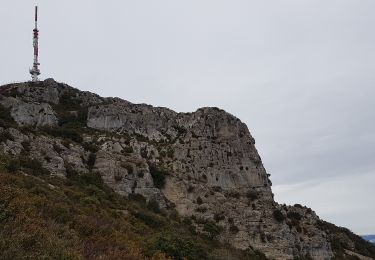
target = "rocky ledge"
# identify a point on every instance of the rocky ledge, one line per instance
(203, 165)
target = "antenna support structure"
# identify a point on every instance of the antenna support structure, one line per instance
(35, 72)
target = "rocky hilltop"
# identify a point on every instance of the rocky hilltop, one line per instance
(202, 165)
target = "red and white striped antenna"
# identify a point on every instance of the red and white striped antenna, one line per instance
(35, 72)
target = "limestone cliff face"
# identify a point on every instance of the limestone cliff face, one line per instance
(213, 171)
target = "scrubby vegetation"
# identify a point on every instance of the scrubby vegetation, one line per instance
(178, 248)
(5, 118)
(63, 132)
(339, 236)
(158, 175)
(27, 165)
(44, 217)
(278, 215)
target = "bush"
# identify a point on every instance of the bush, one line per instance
(93, 178)
(91, 161)
(153, 205)
(69, 110)
(170, 153)
(71, 173)
(150, 220)
(294, 216)
(85, 179)
(13, 165)
(252, 195)
(219, 217)
(6, 119)
(118, 177)
(129, 168)
(158, 176)
(64, 133)
(72, 119)
(68, 100)
(26, 146)
(212, 229)
(128, 150)
(178, 248)
(234, 229)
(5, 136)
(137, 197)
(234, 194)
(33, 166)
(57, 148)
(180, 130)
(91, 147)
(278, 215)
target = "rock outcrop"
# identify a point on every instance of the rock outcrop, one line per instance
(204, 164)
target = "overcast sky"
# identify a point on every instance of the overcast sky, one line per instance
(299, 73)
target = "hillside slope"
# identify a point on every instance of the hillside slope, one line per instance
(201, 166)
(46, 217)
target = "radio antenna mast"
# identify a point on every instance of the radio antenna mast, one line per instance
(35, 72)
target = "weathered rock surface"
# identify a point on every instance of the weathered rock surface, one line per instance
(214, 172)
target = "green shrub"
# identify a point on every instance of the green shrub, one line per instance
(5, 136)
(150, 220)
(128, 150)
(234, 229)
(234, 194)
(162, 154)
(158, 176)
(252, 195)
(57, 148)
(153, 205)
(170, 153)
(140, 174)
(294, 216)
(73, 119)
(91, 147)
(6, 119)
(278, 215)
(190, 189)
(178, 248)
(33, 166)
(68, 100)
(93, 178)
(85, 179)
(64, 133)
(118, 177)
(71, 173)
(212, 229)
(91, 160)
(138, 198)
(130, 169)
(26, 146)
(13, 165)
(180, 130)
(187, 221)
(201, 209)
(219, 217)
